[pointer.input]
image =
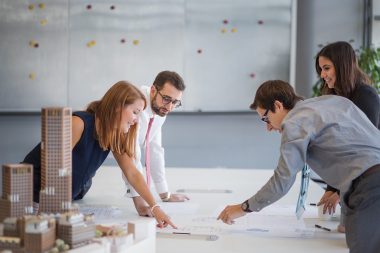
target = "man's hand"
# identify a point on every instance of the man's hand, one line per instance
(230, 213)
(329, 201)
(174, 197)
(141, 207)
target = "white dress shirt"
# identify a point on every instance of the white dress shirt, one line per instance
(157, 159)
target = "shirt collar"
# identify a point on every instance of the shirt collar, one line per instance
(148, 109)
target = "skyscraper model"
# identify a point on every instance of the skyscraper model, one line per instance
(56, 166)
(17, 199)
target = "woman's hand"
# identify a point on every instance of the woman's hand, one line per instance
(329, 201)
(162, 219)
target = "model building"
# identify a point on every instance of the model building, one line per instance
(17, 198)
(76, 229)
(55, 194)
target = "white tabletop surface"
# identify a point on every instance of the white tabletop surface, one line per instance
(108, 189)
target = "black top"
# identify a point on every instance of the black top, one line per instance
(366, 98)
(87, 157)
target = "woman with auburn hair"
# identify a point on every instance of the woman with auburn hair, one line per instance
(337, 66)
(109, 124)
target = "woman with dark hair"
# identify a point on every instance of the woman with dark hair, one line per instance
(337, 66)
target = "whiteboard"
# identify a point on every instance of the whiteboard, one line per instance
(223, 49)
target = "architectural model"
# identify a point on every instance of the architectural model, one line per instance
(55, 195)
(17, 199)
(23, 232)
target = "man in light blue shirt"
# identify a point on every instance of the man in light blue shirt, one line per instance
(338, 141)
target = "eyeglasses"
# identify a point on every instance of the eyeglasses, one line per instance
(167, 100)
(265, 117)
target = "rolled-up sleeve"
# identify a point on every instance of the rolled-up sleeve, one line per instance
(294, 143)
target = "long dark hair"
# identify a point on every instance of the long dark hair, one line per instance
(347, 71)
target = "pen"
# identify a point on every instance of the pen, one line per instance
(181, 233)
(324, 228)
(313, 204)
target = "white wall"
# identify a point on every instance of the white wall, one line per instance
(224, 140)
(321, 22)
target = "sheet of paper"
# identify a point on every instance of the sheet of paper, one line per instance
(270, 226)
(101, 212)
(204, 190)
(280, 210)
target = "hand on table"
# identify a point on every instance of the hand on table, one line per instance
(141, 207)
(178, 198)
(230, 213)
(329, 201)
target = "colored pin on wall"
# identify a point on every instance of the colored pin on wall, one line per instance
(43, 22)
(91, 43)
(33, 44)
(32, 76)
(136, 42)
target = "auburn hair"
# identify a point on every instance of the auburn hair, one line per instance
(108, 112)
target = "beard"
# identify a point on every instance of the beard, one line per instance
(160, 111)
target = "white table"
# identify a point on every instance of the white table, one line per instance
(108, 189)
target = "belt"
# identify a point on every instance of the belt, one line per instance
(370, 171)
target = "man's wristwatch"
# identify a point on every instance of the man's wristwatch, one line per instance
(245, 207)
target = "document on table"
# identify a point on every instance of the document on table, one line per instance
(268, 226)
(101, 212)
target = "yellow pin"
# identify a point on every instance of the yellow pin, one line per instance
(32, 76)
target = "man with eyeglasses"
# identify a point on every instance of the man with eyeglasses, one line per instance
(338, 141)
(162, 97)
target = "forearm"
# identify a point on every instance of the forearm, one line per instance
(272, 191)
(138, 183)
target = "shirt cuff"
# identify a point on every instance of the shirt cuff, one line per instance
(332, 189)
(256, 206)
(130, 192)
(161, 187)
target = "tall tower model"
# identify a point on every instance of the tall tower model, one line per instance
(55, 194)
(17, 199)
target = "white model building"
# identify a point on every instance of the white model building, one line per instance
(144, 229)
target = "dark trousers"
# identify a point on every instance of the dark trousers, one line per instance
(362, 215)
